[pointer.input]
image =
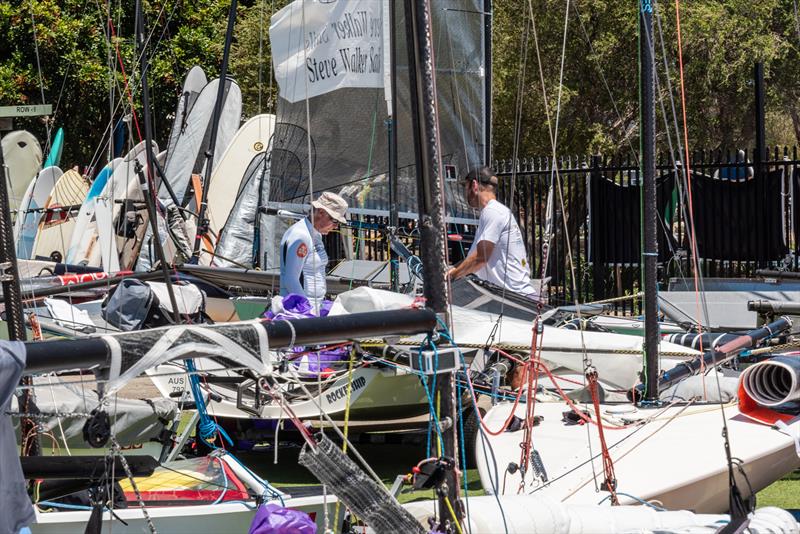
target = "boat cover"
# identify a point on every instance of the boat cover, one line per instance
(617, 357)
(135, 421)
(719, 310)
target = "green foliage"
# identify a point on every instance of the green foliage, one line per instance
(78, 65)
(721, 40)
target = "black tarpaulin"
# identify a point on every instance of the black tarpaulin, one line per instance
(615, 219)
(739, 220)
(796, 205)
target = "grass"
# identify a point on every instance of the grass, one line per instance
(784, 493)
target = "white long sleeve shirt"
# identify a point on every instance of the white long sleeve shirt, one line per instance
(304, 263)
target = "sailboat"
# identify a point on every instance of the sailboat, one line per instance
(524, 513)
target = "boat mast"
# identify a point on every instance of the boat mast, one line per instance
(202, 223)
(391, 130)
(647, 149)
(427, 152)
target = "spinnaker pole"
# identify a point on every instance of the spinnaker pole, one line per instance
(647, 149)
(430, 197)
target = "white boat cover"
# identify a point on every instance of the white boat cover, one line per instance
(617, 357)
(538, 514)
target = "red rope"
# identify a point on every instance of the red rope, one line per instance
(608, 464)
(687, 166)
(570, 403)
(125, 77)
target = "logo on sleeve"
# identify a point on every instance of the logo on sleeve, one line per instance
(302, 250)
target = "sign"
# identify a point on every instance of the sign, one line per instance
(26, 111)
(319, 46)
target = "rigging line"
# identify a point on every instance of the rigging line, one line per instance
(587, 362)
(272, 100)
(679, 176)
(517, 137)
(673, 159)
(260, 55)
(554, 165)
(112, 73)
(700, 303)
(336, 429)
(137, 61)
(61, 91)
(47, 124)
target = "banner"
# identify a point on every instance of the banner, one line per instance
(319, 46)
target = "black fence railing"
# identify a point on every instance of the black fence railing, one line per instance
(743, 210)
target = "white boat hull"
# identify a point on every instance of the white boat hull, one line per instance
(677, 459)
(199, 519)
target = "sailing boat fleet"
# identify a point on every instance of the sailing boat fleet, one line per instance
(557, 426)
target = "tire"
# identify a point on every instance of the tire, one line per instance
(471, 430)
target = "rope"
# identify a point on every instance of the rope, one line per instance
(207, 428)
(117, 452)
(347, 412)
(608, 464)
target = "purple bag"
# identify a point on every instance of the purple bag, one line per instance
(297, 307)
(274, 519)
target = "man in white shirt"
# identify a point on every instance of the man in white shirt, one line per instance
(498, 252)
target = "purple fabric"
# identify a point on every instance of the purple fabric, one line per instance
(274, 519)
(296, 306)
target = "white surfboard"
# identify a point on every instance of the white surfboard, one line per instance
(192, 85)
(124, 178)
(23, 158)
(187, 157)
(58, 221)
(28, 217)
(86, 213)
(227, 183)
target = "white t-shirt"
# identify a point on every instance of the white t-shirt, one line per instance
(508, 265)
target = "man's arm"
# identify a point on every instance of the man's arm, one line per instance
(474, 261)
(294, 259)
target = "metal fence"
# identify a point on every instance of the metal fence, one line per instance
(742, 210)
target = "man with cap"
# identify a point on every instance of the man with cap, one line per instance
(303, 257)
(497, 254)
